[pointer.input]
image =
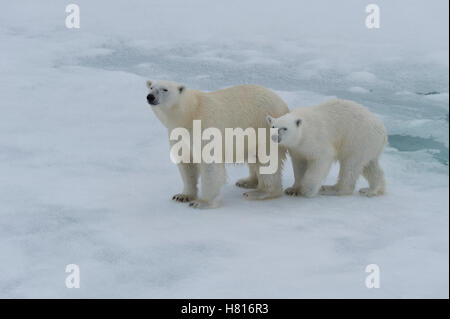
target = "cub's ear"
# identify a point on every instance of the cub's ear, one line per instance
(149, 84)
(269, 119)
(181, 88)
(298, 122)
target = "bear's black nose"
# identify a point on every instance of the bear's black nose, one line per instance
(150, 98)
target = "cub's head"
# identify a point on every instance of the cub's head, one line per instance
(288, 129)
(164, 94)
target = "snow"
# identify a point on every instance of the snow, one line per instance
(358, 89)
(361, 77)
(85, 170)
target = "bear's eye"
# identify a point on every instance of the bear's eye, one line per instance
(164, 90)
(284, 129)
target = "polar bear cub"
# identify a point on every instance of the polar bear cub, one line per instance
(337, 130)
(243, 106)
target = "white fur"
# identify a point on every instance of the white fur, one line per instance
(243, 106)
(337, 130)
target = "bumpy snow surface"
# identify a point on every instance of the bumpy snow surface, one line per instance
(84, 164)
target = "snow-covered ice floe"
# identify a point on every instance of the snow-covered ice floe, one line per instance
(86, 177)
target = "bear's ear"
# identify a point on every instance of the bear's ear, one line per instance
(181, 88)
(269, 119)
(148, 83)
(298, 122)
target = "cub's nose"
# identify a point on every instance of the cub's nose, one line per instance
(150, 98)
(276, 138)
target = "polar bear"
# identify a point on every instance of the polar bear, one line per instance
(243, 106)
(337, 130)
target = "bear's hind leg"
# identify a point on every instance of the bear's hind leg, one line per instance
(349, 173)
(213, 177)
(252, 180)
(269, 185)
(375, 176)
(329, 190)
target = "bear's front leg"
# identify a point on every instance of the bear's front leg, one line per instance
(213, 177)
(189, 174)
(315, 173)
(299, 166)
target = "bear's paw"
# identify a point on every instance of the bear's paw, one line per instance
(183, 198)
(292, 191)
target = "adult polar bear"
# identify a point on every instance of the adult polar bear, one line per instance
(243, 106)
(335, 130)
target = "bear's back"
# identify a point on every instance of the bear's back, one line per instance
(240, 106)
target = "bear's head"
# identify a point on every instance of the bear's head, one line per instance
(288, 129)
(164, 94)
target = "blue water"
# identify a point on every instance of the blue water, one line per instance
(415, 121)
